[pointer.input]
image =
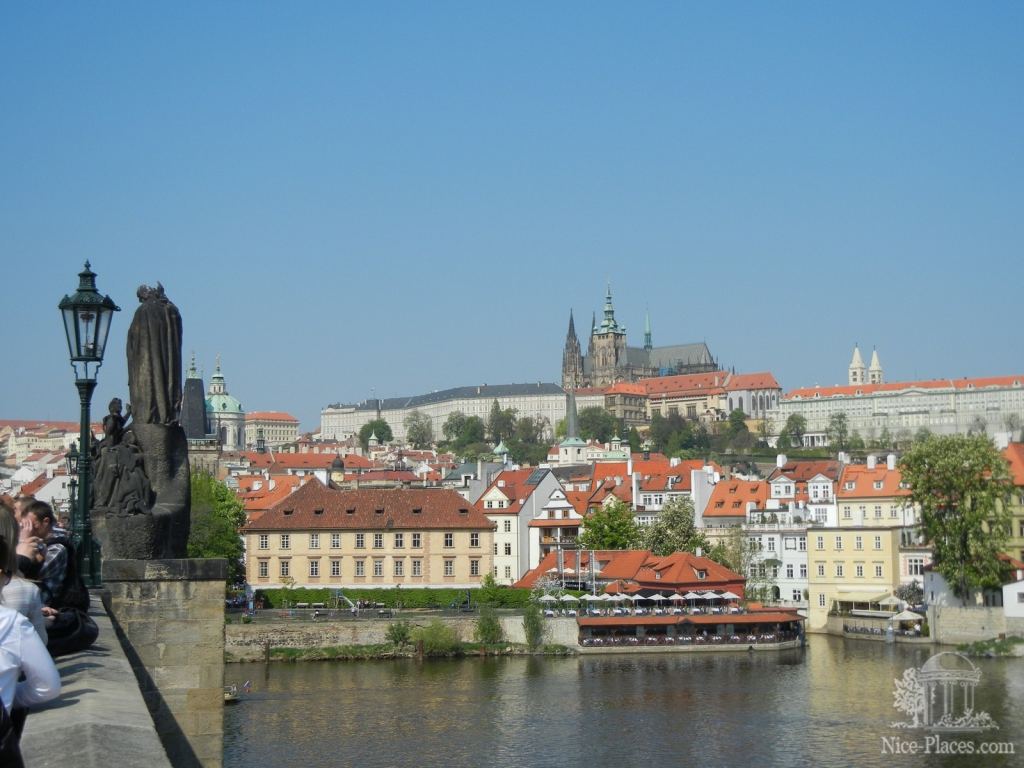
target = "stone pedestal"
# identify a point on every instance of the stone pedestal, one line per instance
(169, 616)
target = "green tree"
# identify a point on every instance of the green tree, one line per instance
(838, 431)
(736, 424)
(399, 633)
(488, 628)
(764, 430)
(856, 441)
(419, 429)
(674, 530)
(561, 429)
(610, 527)
(597, 423)
(635, 442)
(472, 433)
(217, 517)
(500, 423)
(533, 626)
(739, 553)
(453, 426)
(884, 439)
(530, 430)
(961, 486)
(489, 590)
(378, 427)
(795, 428)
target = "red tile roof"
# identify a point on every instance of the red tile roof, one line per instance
(802, 471)
(1002, 382)
(864, 480)
(270, 416)
(731, 497)
(762, 380)
(1014, 455)
(314, 506)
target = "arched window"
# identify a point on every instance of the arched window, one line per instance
(730, 405)
(740, 406)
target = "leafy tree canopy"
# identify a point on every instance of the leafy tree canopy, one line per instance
(500, 423)
(419, 429)
(674, 530)
(610, 527)
(378, 427)
(795, 429)
(217, 516)
(961, 486)
(596, 423)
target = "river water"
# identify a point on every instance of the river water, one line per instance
(828, 705)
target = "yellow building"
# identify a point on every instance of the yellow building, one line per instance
(1014, 454)
(874, 494)
(320, 537)
(850, 568)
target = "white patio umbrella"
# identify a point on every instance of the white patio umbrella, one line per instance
(710, 596)
(730, 596)
(676, 597)
(549, 599)
(591, 597)
(657, 597)
(608, 598)
(907, 616)
(890, 602)
(567, 598)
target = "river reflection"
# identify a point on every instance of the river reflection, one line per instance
(827, 706)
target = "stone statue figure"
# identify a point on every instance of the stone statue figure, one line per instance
(141, 484)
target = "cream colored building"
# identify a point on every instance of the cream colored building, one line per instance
(320, 537)
(854, 566)
(276, 427)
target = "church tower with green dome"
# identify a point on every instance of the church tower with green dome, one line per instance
(224, 413)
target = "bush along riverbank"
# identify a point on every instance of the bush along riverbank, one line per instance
(1005, 646)
(386, 651)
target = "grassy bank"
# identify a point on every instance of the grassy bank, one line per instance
(1008, 646)
(387, 651)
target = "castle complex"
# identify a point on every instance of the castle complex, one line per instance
(609, 359)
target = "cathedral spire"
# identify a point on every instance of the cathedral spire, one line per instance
(572, 359)
(648, 345)
(857, 368)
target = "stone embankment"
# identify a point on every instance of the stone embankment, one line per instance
(248, 642)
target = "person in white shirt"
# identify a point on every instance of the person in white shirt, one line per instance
(22, 652)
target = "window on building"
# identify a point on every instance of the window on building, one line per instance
(399, 567)
(508, 571)
(474, 539)
(892, 510)
(508, 549)
(335, 567)
(847, 514)
(821, 569)
(360, 567)
(474, 567)
(264, 541)
(508, 526)
(803, 570)
(859, 571)
(878, 542)
(378, 567)
(286, 541)
(314, 568)
(797, 595)
(858, 542)
(802, 544)
(378, 541)
(286, 568)
(878, 571)
(915, 566)
(821, 599)
(417, 567)
(821, 542)
(839, 542)
(789, 571)
(314, 541)
(263, 569)
(360, 541)
(449, 567)
(878, 510)
(417, 541)
(771, 543)
(839, 570)
(335, 541)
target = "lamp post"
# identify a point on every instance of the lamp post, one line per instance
(87, 316)
(72, 466)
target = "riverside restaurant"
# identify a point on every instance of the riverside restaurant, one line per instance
(767, 629)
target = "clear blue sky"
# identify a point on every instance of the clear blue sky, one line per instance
(348, 197)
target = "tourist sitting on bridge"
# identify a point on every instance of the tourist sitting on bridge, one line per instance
(22, 653)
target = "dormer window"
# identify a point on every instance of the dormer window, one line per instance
(463, 511)
(288, 512)
(417, 510)
(878, 485)
(701, 575)
(318, 511)
(379, 511)
(350, 511)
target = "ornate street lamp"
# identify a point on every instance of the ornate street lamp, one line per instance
(87, 317)
(71, 458)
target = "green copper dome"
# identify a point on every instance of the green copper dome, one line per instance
(223, 403)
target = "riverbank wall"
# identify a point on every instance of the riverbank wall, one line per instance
(955, 625)
(247, 642)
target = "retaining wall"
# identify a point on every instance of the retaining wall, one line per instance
(954, 625)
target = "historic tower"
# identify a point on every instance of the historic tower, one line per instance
(875, 375)
(608, 342)
(572, 359)
(857, 368)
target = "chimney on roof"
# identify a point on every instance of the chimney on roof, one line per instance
(674, 461)
(872, 461)
(780, 460)
(699, 552)
(890, 461)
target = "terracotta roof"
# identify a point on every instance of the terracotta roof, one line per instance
(1014, 455)
(1002, 382)
(270, 493)
(864, 481)
(626, 388)
(731, 498)
(314, 506)
(685, 384)
(30, 488)
(763, 380)
(511, 483)
(802, 471)
(270, 416)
